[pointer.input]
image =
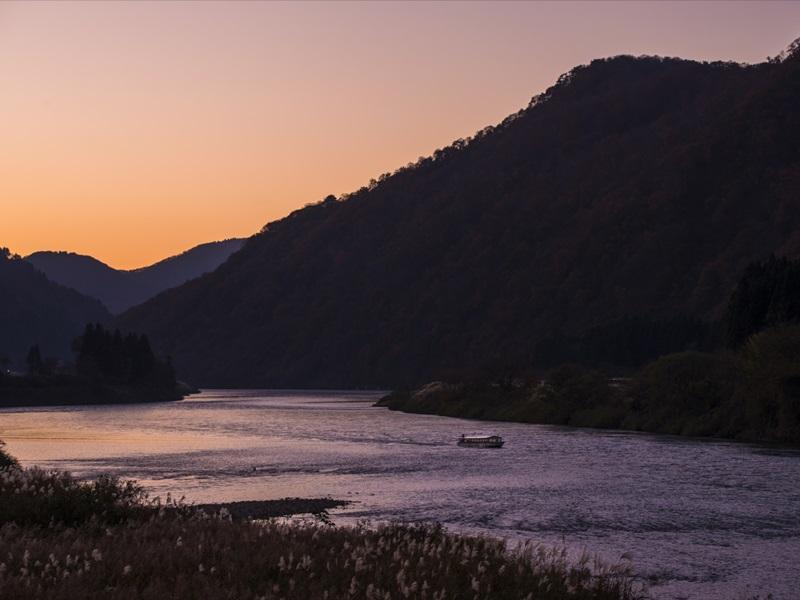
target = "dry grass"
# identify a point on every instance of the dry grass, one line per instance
(217, 558)
(65, 539)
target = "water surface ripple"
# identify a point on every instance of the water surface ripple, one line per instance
(700, 519)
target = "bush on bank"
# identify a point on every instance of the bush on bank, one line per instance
(6, 460)
(750, 394)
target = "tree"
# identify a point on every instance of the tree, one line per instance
(768, 294)
(4, 362)
(34, 361)
(128, 359)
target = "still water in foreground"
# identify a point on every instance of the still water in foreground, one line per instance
(699, 519)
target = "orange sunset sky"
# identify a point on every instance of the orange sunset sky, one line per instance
(133, 131)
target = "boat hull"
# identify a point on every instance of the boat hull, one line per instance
(471, 444)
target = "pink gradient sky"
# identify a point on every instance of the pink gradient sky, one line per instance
(132, 131)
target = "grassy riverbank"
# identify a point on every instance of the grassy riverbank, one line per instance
(65, 539)
(751, 394)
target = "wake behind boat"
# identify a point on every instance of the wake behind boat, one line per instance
(481, 441)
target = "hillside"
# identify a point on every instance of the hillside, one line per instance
(34, 310)
(635, 190)
(119, 289)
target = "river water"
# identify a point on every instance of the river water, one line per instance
(697, 518)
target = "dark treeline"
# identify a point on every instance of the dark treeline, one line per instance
(767, 294)
(749, 390)
(108, 367)
(629, 342)
(112, 357)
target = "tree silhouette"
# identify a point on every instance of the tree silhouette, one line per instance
(110, 356)
(768, 294)
(34, 361)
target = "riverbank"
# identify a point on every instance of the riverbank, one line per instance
(70, 390)
(602, 407)
(270, 509)
(65, 539)
(750, 395)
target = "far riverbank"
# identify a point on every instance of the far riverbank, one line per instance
(71, 390)
(751, 394)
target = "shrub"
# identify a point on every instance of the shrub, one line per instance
(770, 392)
(37, 497)
(6, 460)
(572, 395)
(684, 393)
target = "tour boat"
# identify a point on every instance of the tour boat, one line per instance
(481, 441)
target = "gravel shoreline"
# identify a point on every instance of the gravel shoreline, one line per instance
(267, 509)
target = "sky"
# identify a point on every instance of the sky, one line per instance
(133, 131)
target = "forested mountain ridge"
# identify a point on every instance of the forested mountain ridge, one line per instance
(34, 310)
(120, 289)
(634, 188)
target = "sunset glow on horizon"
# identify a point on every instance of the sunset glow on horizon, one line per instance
(133, 131)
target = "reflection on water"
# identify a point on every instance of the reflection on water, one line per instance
(702, 519)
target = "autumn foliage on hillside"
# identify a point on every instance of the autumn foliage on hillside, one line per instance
(634, 191)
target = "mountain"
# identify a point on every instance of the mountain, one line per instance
(34, 310)
(634, 190)
(119, 289)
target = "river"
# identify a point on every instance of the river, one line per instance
(697, 518)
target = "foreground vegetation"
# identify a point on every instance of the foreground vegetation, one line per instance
(752, 393)
(65, 539)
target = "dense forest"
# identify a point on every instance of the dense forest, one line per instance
(34, 310)
(617, 210)
(768, 294)
(749, 390)
(119, 289)
(114, 358)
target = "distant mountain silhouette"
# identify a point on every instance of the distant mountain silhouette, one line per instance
(119, 289)
(635, 190)
(34, 310)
